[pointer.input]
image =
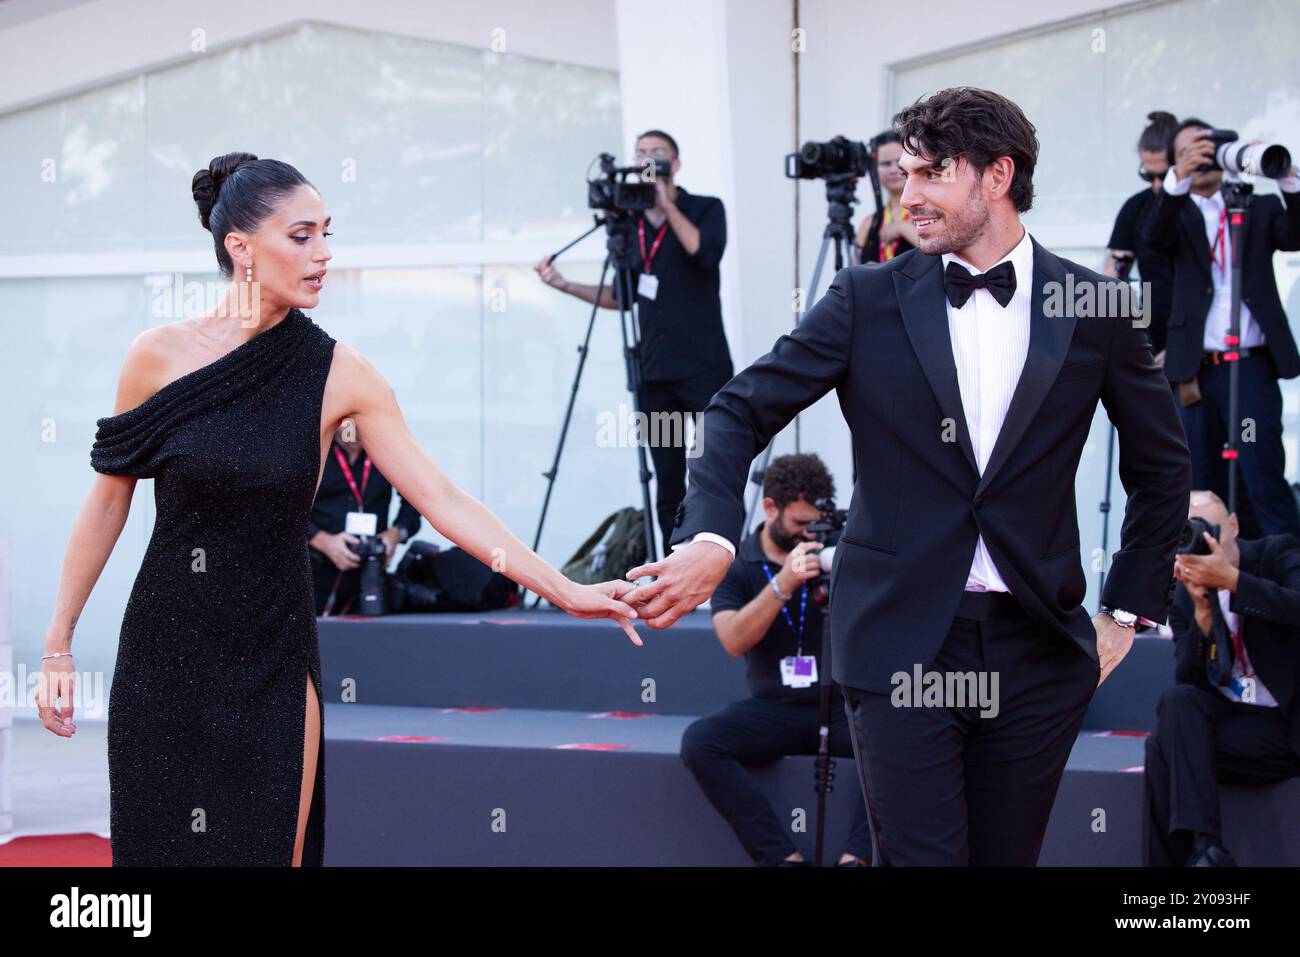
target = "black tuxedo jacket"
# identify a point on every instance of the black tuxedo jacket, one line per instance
(1177, 229)
(879, 337)
(1268, 603)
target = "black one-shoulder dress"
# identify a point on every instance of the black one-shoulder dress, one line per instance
(207, 709)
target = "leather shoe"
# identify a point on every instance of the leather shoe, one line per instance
(1208, 854)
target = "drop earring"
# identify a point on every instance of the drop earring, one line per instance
(248, 273)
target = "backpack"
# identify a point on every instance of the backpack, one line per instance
(617, 545)
(469, 585)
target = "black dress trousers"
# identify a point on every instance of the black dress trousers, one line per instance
(956, 785)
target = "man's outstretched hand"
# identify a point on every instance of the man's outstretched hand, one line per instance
(683, 580)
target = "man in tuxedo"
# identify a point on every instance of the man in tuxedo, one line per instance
(969, 388)
(1188, 223)
(1233, 715)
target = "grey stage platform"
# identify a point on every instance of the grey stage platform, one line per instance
(522, 738)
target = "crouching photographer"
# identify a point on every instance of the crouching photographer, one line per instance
(1231, 716)
(766, 610)
(340, 560)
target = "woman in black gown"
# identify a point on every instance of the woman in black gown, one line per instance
(215, 738)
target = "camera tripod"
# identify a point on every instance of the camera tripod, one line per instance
(618, 226)
(840, 197)
(1237, 195)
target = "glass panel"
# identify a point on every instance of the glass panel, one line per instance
(388, 129)
(544, 124)
(74, 173)
(65, 340)
(529, 364)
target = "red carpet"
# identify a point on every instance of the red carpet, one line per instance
(57, 850)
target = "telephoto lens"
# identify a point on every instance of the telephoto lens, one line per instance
(1235, 155)
(1263, 159)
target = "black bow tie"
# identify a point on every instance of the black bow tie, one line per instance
(958, 283)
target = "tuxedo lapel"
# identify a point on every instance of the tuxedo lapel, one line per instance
(1049, 341)
(1191, 220)
(919, 287)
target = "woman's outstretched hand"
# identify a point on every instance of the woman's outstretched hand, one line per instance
(602, 600)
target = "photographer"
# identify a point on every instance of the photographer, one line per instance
(1232, 716)
(684, 353)
(762, 611)
(350, 483)
(1127, 239)
(1189, 224)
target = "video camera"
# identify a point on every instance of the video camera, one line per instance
(625, 189)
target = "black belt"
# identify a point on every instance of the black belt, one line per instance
(989, 605)
(1214, 358)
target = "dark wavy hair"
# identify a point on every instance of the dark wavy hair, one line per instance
(802, 475)
(238, 191)
(978, 124)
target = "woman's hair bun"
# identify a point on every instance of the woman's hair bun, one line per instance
(206, 184)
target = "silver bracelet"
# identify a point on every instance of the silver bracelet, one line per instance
(58, 654)
(777, 592)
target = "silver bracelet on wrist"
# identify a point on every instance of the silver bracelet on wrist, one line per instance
(777, 592)
(58, 654)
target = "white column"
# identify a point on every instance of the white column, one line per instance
(719, 76)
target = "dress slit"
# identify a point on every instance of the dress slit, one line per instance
(312, 839)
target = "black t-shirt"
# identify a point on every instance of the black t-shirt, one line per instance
(681, 328)
(744, 580)
(1153, 266)
(334, 498)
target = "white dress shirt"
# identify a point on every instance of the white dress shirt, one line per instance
(989, 344)
(1241, 666)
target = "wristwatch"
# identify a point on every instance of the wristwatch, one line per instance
(1125, 619)
(401, 534)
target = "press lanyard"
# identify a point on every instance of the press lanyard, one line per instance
(1220, 241)
(360, 494)
(803, 605)
(1239, 649)
(650, 258)
(347, 474)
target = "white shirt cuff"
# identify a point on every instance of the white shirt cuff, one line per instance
(707, 537)
(1289, 184)
(1173, 186)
